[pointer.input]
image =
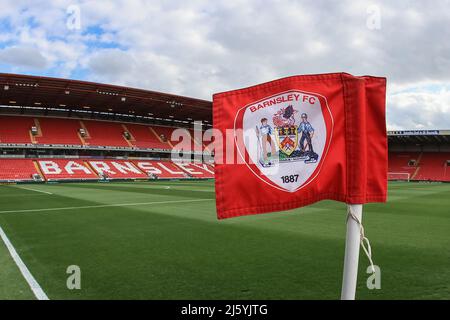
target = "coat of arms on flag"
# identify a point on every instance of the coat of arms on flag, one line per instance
(287, 138)
(286, 131)
(290, 136)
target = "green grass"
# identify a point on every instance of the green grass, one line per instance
(175, 248)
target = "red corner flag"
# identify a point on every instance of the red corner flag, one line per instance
(298, 140)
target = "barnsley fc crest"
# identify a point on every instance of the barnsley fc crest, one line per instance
(285, 137)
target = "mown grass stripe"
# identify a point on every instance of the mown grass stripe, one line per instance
(104, 206)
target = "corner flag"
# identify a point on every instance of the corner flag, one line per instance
(303, 139)
(317, 137)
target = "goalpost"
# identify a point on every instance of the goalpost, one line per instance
(399, 176)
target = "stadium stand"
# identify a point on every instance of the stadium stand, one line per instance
(426, 166)
(145, 137)
(66, 169)
(116, 169)
(402, 163)
(17, 170)
(87, 169)
(161, 169)
(16, 129)
(60, 131)
(197, 170)
(165, 134)
(44, 120)
(56, 131)
(433, 167)
(99, 133)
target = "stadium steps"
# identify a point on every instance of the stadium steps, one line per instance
(39, 134)
(38, 127)
(419, 158)
(39, 170)
(86, 132)
(87, 164)
(135, 166)
(434, 167)
(416, 172)
(39, 131)
(132, 139)
(159, 138)
(83, 142)
(33, 140)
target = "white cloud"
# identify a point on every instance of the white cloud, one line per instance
(111, 63)
(28, 57)
(200, 47)
(419, 108)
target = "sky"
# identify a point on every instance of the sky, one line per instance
(196, 48)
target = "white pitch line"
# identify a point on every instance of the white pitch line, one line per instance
(34, 190)
(104, 206)
(34, 285)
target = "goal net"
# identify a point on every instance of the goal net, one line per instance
(398, 176)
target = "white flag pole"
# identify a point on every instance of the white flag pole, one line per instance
(352, 243)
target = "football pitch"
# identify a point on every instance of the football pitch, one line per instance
(161, 240)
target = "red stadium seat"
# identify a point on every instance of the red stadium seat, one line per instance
(16, 129)
(197, 170)
(166, 133)
(178, 139)
(66, 169)
(17, 170)
(79, 169)
(433, 166)
(430, 166)
(145, 137)
(399, 164)
(85, 169)
(161, 169)
(59, 131)
(102, 133)
(117, 169)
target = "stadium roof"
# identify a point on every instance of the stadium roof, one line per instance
(64, 94)
(419, 137)
(54, 93)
